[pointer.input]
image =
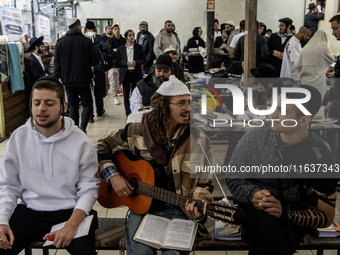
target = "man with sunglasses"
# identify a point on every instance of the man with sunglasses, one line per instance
(146, 87)
(165, 38)
(163, 139)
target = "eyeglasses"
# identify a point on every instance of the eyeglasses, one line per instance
(183, 105)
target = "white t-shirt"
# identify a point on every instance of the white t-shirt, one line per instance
(291, 51)
(218, 33)
(235, 40)
(129, 53)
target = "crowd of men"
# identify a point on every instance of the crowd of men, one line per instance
(124, 68)
(51, 164)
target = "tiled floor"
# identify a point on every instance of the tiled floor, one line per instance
(114, 118)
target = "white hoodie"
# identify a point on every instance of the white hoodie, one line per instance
(48, 174)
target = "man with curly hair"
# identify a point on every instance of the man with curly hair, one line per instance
(162, 138)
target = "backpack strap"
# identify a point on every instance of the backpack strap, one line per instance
(286, 41)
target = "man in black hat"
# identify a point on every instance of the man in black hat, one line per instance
(73, 57)
(34, 64)
(313, 16)
(146, 87)
(279, 208)
(277, 43)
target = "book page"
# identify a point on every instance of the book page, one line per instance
(152, 229)
(181, 234)
(82, 229)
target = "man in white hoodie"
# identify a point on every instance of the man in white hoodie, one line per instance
(51, 165)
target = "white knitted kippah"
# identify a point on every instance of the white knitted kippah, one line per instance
(173, 87)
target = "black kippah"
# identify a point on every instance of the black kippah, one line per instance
(50, 78)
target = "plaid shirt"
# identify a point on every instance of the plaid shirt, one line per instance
(186, 184)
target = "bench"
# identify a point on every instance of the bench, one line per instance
(111, 230)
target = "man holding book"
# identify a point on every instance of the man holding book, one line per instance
(50, 164)
(163, 139)
(280, 208)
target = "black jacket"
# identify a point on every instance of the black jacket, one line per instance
(312, 20)
(114, 43)
(73, 57)
(147, 88)
(34, 69)
(219, 42)
(196, 63)
(275, 43)
(138, 56)
(147, 45)
(262, 52)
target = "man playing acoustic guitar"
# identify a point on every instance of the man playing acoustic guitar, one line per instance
(163, 139)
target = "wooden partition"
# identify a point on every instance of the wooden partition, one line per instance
(14, 107)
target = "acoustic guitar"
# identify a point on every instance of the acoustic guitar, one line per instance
(140, 175)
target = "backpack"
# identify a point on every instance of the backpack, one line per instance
(105, 62)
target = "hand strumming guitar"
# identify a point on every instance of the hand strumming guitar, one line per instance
(121, 186)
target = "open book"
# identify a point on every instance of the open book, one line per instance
(160, 232)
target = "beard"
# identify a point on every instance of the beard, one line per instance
(158, 81)
(169, 31)
(143, 32)
(47, 124)
(40, 51)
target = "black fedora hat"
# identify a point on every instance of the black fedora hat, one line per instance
(34, 41)
(264, 70)
(311, 6)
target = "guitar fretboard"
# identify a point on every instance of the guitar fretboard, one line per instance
(163, 194)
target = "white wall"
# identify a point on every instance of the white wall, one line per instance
(187, 14)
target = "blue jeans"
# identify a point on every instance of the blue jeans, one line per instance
(132, 247)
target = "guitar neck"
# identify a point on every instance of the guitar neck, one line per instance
(164, 195)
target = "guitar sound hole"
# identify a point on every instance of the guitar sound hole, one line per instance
(134, 183)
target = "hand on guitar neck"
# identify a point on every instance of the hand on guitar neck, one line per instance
(121, 186)
(192, 209)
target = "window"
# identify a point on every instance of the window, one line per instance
(101, 24)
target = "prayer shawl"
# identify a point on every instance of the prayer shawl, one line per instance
(314, 60)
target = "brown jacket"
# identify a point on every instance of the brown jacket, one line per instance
(131, 138)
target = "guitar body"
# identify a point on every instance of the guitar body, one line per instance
(140, 170)
(140, 175)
